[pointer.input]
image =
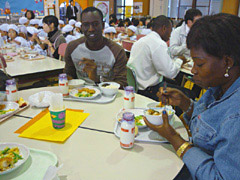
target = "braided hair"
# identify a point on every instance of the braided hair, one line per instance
(218, 35)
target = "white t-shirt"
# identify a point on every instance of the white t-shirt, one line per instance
(150, 59)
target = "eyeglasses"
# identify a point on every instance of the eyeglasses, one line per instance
(87, 24)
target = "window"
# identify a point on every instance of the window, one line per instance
(121, 6)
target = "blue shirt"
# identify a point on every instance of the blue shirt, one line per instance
(215, 128)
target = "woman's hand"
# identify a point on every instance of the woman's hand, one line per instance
(165, 130)
(174, 97)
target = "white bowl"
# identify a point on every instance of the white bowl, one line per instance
(75, 83)
(2, 95)
(157, 119)
(156, 105)
(111, 89)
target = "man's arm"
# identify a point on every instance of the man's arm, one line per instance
(69, 69)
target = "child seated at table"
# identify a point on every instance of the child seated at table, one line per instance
(34, 23)
(32, 40)
(78, 32)
(110, 33)
(4, 31)
(61, 24)
(68, 33)
(131, 31)
(23, 21)
(13, 32)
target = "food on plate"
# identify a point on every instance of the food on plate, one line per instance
(22, 103)
(157, 113)
(2, 106)
(136, 131)
(8, 157)
(105, 84)
(8, 57)
(85, 92)
(139, 120)
(160, 104)
(2, 111)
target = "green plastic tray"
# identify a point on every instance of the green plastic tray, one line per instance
(34, 168)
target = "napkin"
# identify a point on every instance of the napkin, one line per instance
(40, 127)
(40, 99)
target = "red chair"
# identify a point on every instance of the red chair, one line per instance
(139, 36)
(3, 64)
(61, 50)
(127, 45)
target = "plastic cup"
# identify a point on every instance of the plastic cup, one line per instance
(58, 118)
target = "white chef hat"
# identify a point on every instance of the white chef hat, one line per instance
(72, 22)
(14, 27)
(34, 21)
(133, 28)
(4, 27)
(40, 23)
(78, 24)
(110, 30)
(106, 25)
(67, 28)
(32, 30)
(23, 20)
(60, 22)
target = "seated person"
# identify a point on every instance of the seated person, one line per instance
(110, 33)
(34, 23)
(78, 32)
(55, 36)
(68, 33)
(178, 37)
(131, 33)
(214, 120)
(93, 57)
(150, 60)
(4, 31)
(72, 22)
(23, 21)
(13, 32)
(61, 24)
(32, 33)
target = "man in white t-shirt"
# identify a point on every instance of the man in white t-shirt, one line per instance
(150, 60)
(179, 35)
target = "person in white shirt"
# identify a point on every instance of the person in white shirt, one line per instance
(68, 33)
(4, 31)
(131, 32)
(178, 37)
(78, 31)
(13, 32)
(32, 34)
(110, 33)
(72, 22)
(23, 21)
(150, 60)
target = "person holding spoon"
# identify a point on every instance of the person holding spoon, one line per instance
(214, 120)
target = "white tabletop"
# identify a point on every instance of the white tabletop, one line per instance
(90, 155)
(24, 67)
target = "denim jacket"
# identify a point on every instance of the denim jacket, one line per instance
(215, 128)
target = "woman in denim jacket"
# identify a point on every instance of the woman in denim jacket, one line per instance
(214, 121)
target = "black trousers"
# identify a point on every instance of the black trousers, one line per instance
(184, 174)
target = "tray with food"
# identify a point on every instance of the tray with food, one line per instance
(89, 94)
(8, 58)
(31, 57)
(8, 109)
(34, 166)
(144, 134)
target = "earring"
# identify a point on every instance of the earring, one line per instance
(226, 74)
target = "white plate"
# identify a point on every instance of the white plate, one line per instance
(9, 105)
(75, 91)
(136, 112)
(23, 150)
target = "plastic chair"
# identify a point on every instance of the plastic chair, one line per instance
(131, 78)
(127, 45)
(3, 64)
(61, 50)
(139, 36)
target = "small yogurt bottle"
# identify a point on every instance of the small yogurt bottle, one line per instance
(63, 84)
(129, 98)
(127, 132)
(11, 90)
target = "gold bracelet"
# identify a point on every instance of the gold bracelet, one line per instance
(182, 148)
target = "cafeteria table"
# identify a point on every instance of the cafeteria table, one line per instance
(93, 151)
